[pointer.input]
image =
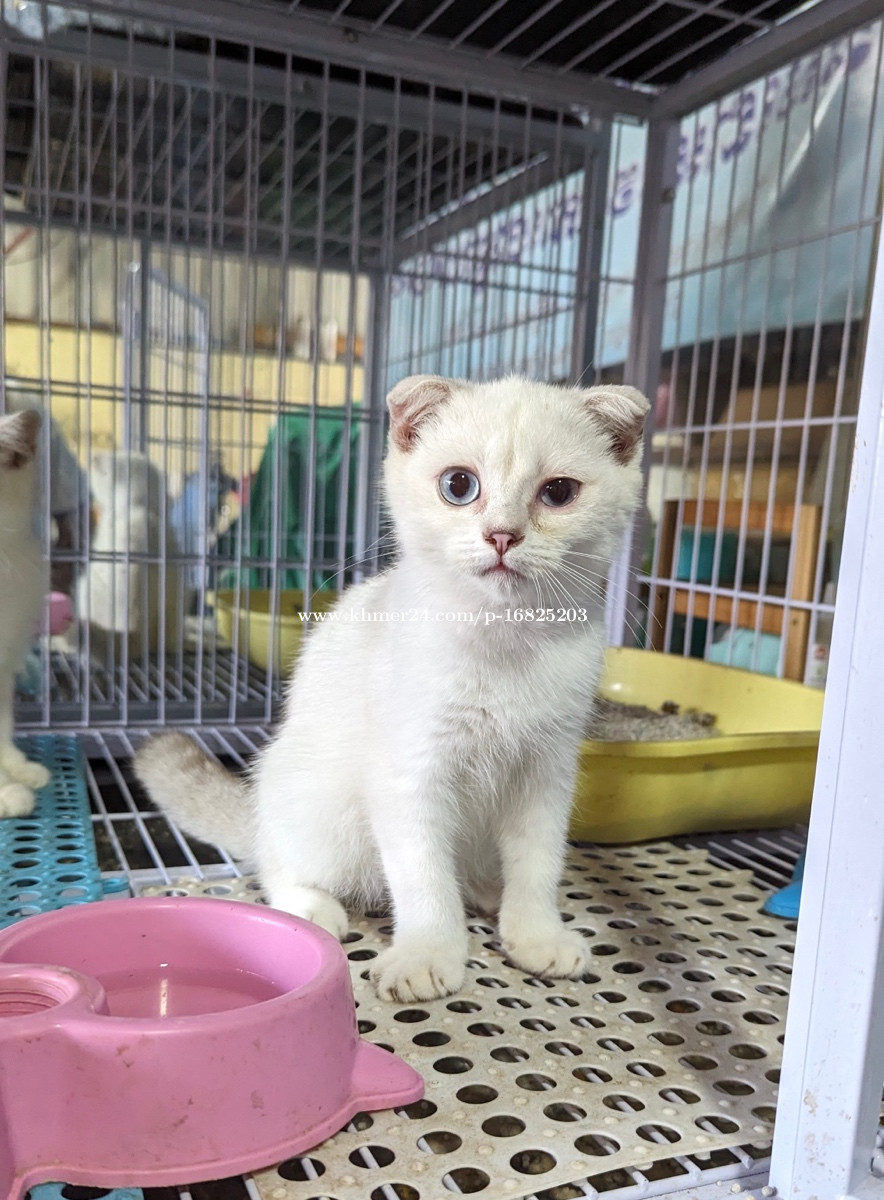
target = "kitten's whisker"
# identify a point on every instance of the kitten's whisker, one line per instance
(596, 557)
(595, 582)
(559, 591)
(632, 623)
(652, 616)
(552, 576)
(555, 586)
(540, 594)
(588, 585)
(633, 595)
(570, 600)
(581, 575)
(597, 589)
(356, 559)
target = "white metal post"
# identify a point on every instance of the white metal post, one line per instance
(645, 339)
(833, 1064)
(589, 270)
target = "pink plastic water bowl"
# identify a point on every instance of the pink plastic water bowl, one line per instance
(176, 1041)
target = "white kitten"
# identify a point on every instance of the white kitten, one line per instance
(429, 745)
(122, 590)
(23, 584)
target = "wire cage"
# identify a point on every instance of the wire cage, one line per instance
(229, 228)
(224, 263)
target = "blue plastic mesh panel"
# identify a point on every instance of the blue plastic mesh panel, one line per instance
(55, 1191)
(47, 860)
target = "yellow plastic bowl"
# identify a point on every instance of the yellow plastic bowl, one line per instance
(757, 775)
(252, 621)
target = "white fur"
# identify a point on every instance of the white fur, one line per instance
(123, 590)
(432, 760)
(23, 583)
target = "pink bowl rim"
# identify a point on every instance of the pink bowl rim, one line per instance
(332, 968)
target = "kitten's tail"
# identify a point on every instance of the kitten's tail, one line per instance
(203, 799)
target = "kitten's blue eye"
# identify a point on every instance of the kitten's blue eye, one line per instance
(556, 493)
(459, 486)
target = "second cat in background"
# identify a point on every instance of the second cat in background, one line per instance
(131, 588)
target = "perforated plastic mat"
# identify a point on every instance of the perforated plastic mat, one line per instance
(663, 1060)
(47, 860)
(60, 1191)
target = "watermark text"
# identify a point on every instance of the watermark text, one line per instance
(527, 616)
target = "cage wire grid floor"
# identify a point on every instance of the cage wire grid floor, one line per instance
(188, 686)
(656, 1072)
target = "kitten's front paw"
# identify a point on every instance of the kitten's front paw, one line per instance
(558, 954)
(32, 775)
(406, 973)
(311, 904)
(16, 800)
(22, 770)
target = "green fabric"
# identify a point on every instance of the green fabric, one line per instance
(292, 434)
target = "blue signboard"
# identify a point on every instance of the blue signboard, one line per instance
(773, 224)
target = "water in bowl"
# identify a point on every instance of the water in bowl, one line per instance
(172, 990)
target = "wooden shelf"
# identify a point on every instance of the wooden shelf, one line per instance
(801, 526)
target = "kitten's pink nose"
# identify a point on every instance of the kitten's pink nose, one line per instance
(502, 540)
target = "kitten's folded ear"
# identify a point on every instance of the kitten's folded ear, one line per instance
(18, 438)
(620, 413)
(411, 402)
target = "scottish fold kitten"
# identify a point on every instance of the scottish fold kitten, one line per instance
(428, 750)
(24, 582)
(122, 590)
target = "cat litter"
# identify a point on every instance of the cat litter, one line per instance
(47, 860)
(616, 722)
(661, 1065)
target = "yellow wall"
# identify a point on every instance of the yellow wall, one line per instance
(243, 391)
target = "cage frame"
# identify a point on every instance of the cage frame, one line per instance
(845, 870)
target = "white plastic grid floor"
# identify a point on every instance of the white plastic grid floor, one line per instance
(138, 847)
(660, 1066)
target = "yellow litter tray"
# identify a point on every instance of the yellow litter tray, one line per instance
(252, 625)
(757, 775)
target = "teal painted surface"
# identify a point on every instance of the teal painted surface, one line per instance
(48, 860)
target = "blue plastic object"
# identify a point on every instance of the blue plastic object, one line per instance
(745, 648)
(727, 562)
(55, 1191)
(30, 676)
(48, 860)
(787, 901)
